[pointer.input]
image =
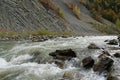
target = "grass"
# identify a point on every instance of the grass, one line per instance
(48, 32)
(34, 33)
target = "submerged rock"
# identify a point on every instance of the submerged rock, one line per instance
(113, 42)
(88, 62)
(93, 46)
(106, 41)
(104, 64)
(117, 55)
(59, 63)
(35, 57)
(63, 54)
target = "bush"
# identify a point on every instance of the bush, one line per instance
(118, 23)
(60, 13)
(48, 4)
(75, 9)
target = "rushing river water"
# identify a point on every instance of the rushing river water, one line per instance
(15, 58)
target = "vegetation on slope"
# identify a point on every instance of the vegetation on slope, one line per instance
(75, 9)
(48, 4)
(33, 33)
(108, 9)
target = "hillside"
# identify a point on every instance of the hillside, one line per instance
(31, 15)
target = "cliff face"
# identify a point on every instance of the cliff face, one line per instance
(21, 15)
(26, 15)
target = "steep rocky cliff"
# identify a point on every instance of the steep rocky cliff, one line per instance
(26, 15)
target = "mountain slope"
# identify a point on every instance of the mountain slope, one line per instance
(78, 26)
(31, 15)
(21, 15)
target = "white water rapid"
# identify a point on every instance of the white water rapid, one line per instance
(15, 58)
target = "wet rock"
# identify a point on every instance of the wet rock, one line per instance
(117, 55)
(88, 62)
(106, 41)
(112, 78)
(93, 46)
(35, 57)
(118, 38)
(59, 63)
(38, 38)
(63, 54)
(104, 64)
(64, 36)
(70, 75)
(115, 74)
(113, 42)
(104, 54)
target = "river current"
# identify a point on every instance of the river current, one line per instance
(15, 58)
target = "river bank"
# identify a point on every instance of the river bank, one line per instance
(40, 38)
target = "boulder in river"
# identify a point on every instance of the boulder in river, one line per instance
(88, 62)
(63, 54)
(93, 46)
(104, 64)
(113, 42)
(117, 55)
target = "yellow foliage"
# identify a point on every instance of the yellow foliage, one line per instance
(53, 6)
(76, 10)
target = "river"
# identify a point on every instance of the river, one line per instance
(15, 58)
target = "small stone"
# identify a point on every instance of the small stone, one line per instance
(117, 55)
(93, 46)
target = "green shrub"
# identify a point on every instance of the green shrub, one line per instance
(118, 23)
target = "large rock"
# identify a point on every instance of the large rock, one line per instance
(88, 62)
(63, 54)
(104, 64)
(113, 42)
(93, 46)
